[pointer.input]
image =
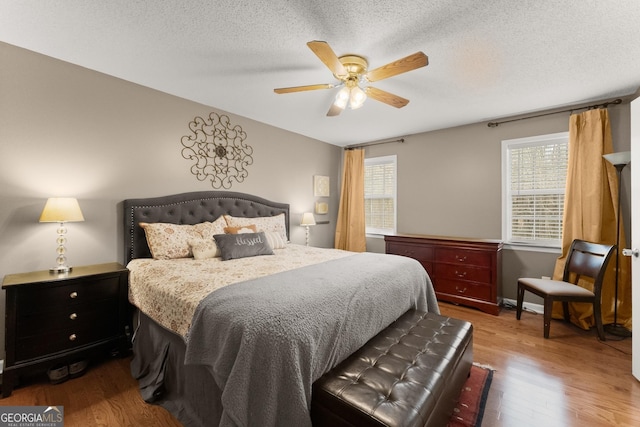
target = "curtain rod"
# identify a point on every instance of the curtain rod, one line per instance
(589, 107)
(369, 144)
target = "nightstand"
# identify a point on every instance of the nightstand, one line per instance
(60, 318)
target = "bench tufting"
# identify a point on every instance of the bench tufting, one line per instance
(410, 374)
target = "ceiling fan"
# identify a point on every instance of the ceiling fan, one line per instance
(352, 72)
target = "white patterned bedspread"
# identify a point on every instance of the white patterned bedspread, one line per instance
(169, 291)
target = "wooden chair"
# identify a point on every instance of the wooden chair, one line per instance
(585, 259)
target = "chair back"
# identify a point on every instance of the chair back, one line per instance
(587, 259)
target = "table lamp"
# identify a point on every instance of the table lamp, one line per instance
(61, 210)
(307, 220)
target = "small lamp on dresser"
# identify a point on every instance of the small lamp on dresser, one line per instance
(307, 220)
(61, 210)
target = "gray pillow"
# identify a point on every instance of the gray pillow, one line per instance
(242, 245)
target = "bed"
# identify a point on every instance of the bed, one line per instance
(247, 351)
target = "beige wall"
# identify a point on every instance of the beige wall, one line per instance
(69, 131)
(449, 184)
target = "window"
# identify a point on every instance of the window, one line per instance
(380, 195)
(534, 172)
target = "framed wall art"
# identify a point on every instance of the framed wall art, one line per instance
(322, 208)
(321, 186)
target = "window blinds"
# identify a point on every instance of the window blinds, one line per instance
(536, 190)
(380, 194)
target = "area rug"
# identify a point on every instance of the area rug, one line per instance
(473, 397)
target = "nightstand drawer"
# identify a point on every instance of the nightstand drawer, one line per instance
(65, 339)
(50, 299)
(72, 316)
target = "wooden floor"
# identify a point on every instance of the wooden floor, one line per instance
(571, 379)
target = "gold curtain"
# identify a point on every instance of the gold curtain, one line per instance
(590, 211)
(350, 227)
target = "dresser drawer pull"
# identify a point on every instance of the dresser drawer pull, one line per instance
(73, 316)
(461, 290)
(461, 258)
(72, 337)
(457, 273)
(73, 294)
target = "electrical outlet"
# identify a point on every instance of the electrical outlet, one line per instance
(546, 277)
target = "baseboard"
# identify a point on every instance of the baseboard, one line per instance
(538, 308)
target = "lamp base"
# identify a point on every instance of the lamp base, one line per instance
(60, 269)
(617, 330)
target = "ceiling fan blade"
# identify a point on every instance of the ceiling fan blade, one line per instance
(303, 88)
(328, 57)
(334, 110)
(400, 66)
(386, 97)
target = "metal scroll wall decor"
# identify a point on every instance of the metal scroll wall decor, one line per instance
(218, 151)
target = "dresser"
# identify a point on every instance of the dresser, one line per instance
(60, 318)
(463, 271)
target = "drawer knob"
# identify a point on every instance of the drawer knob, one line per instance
(461, 290)
(73, 316)
(464, 273)
(72, 337)
(461, 258)
(73, 294)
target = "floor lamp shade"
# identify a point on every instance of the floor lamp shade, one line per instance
(61, 210)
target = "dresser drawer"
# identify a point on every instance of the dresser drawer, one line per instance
(463, 289)
(463, 272)
(54, 298)
(65, 339)
(421, 253)
(463, 256)
(73, 316)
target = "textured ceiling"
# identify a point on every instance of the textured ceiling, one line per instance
(487, 59)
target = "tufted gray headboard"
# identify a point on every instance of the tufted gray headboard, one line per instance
(189, 208)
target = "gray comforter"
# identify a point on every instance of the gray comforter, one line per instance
(266, 341)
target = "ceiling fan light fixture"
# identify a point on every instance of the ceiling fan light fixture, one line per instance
(342, 97)
(357, 98)
(352, 71)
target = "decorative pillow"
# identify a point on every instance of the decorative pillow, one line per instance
(233, 246)
(251, 228)
(275, 240)
(204, 248)
(265, 223)
(169, 241)
(216, 227)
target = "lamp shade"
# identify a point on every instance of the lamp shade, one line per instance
(342, 97)
(307, 219)
(61, 209)
(621, 158)
(357, 98)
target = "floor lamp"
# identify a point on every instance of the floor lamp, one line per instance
(619, 160)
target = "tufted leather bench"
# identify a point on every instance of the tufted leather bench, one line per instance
(410, 374)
